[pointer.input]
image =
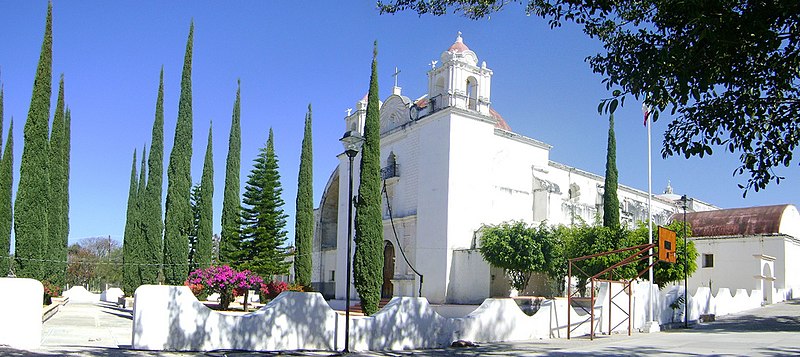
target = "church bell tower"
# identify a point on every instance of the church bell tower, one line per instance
(459, 82)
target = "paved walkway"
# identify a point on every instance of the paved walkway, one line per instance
(104, 330)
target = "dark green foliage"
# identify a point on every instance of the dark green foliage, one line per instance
(610, 198)
(663, 272)
(304, 218)
(153, 224)
(368, 257)
(727, 70)
(6, 182)
(582, 240)
(178, 221)
(263, 220)
(55, 271)
(30, 214)
(205, 210)
(231, 226)
(129, 249)
(518, 249)
(195, 224)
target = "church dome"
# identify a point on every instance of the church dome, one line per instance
(501, 123)
(459, 45)
(459, 51)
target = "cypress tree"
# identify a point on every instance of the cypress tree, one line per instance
(6, 181)
(129, 261)
(368, 256)
(140, 223)
(205, 221)
(150, 251)
(263, 220)
(231, 203)
(195, 198)
(30, 215)
(178, 221)
(304, 217)
(66, 149)
(610, 199)
(55, 271)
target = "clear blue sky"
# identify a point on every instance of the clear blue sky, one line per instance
(289, 54)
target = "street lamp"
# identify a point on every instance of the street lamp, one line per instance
(684, 200)
(352, 142)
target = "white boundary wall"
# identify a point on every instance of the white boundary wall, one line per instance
(171, 318)
(21, 312)
(79, 295)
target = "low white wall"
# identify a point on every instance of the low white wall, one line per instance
(112, 295)
(79, 295)
(171, 318)
(21, 312)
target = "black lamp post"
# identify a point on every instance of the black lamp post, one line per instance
(352, 142)
(684, 199)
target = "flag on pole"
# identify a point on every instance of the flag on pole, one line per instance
(646, 111)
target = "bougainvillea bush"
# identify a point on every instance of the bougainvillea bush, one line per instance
(50, 291)
(225, 281)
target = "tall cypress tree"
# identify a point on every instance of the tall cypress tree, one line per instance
(140, 222)
(263, 220)
(205, 221)
(151, 251)
(6, 181)
(610, 199)
(30, 215)
(368, 257)
(129, 261)
(55, 271)
(195, 198)
(66, 149)
(304, 217)
(231, 203)
(178, 221)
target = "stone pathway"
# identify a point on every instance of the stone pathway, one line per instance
(90, 325)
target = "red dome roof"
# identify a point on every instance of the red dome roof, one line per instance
(501, 123)
(459, 45)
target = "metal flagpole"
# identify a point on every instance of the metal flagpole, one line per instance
(648, 124)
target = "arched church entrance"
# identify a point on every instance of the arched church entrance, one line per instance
(387, 289)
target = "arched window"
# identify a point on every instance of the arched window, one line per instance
(472, 93)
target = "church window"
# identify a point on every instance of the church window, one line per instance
(333, 275)
(439, 89)
(472, 93)
(708, 260)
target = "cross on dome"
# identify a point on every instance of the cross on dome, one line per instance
(459, 45)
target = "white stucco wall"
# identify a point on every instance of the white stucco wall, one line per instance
(170, 318)
(735, 263)
(79, 295)
(21, 312)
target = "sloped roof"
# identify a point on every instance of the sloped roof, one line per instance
(735, 221)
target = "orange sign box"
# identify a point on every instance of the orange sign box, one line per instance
(666, 245)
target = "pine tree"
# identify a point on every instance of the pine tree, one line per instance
(30, 215)
(55, 271)
(129, 261)
(151, 250)
(205, 208)
(263, 220)
(231, 203)
(610, 199)
(6, 181)
(304, 217)
(368, 256)
(178, 221)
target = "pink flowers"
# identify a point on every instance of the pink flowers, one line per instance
(225, 281)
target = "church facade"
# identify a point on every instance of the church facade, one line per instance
(440, 187)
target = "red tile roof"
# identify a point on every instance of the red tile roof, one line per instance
(735, 221)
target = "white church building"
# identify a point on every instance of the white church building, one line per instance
(441, 188)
